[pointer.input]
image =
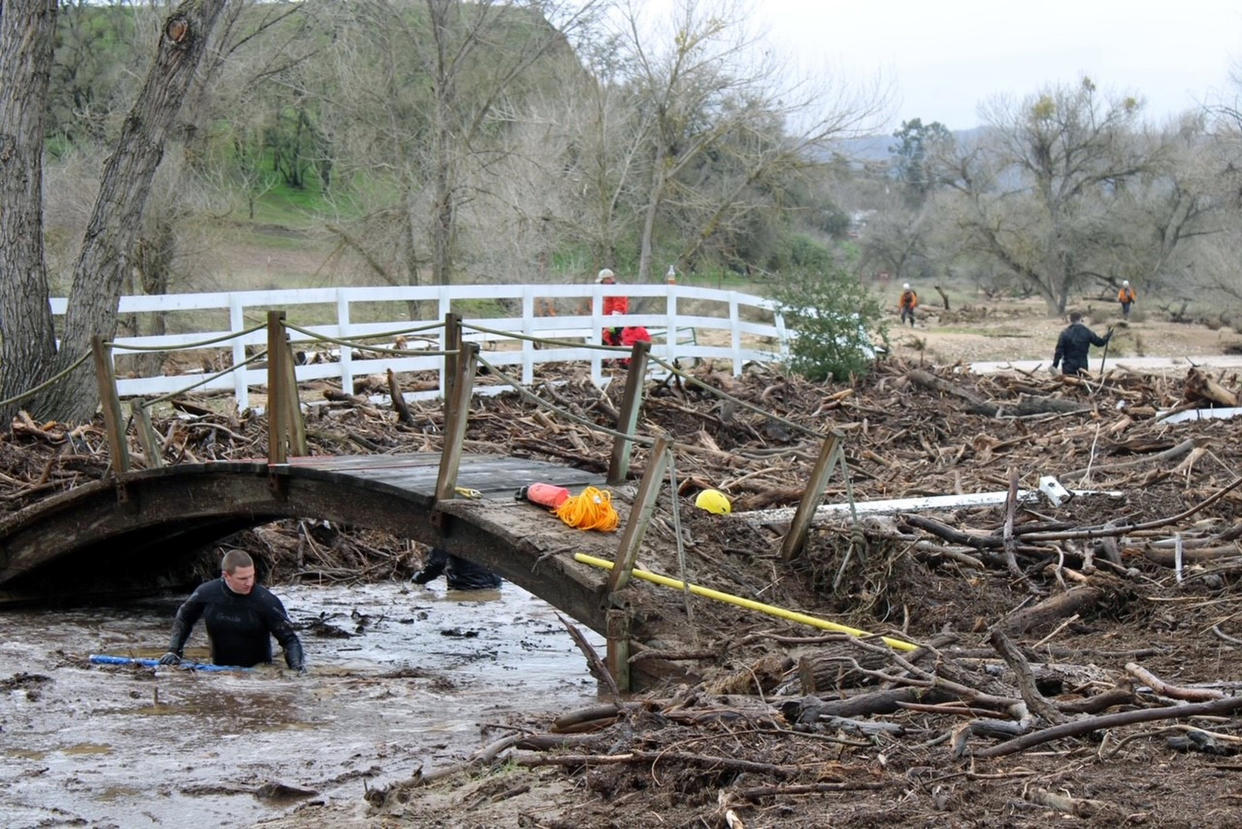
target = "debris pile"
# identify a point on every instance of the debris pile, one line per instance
(1076, 646)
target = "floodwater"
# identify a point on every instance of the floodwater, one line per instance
(401, 678)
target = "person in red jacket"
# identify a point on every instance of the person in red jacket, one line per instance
(613, 304)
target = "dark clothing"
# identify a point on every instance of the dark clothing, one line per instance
(1072, 347)
(459, 573)
(239, 627)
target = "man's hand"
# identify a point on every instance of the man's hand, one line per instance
(170, 658)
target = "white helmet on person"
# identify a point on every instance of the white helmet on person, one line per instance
(605, 275)
(905, 286)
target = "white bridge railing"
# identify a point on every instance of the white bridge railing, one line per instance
(742, 326)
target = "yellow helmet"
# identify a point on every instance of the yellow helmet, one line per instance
(713, 500)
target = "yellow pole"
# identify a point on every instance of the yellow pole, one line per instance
(771, 610)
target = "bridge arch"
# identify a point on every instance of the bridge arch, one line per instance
(116, 536)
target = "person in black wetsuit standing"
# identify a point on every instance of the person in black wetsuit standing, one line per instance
(241, 618)
(459, 573)
(1074, 343)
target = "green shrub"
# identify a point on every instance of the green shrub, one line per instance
(831, 319)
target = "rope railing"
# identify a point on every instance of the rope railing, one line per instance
(798, 427)
(46, 384)
(526, 394)
(315, 336)
(542, 340)
(146, 404)
(184, 346)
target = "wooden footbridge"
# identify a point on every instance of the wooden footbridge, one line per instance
(124, 530)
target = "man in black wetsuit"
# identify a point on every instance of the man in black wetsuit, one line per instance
(1074, 343)
(241, 618)
(459, 573)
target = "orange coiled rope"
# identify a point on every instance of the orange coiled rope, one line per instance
(592, 510)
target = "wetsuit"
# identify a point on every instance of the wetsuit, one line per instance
(1072, 347)
(460, 574)
(238, 626)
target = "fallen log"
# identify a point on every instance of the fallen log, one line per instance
(1075, 728)
(1164, 689)
(1053, 608)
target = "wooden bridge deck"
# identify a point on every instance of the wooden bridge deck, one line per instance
(117, 538)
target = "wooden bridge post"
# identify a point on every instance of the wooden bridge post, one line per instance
(617, 655)
(455, 425)
(110, 403)
(452, 356)
(293, 402)
(627, 419)
(146, 434)
(794, 540)
(640, 517)
(277, 408)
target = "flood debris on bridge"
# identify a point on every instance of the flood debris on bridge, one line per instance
(1076, 659)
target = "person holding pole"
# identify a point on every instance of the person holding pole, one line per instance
(1074, 343)
(241, 618)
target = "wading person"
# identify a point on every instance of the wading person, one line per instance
(1074, 343)
(241, 619)
(458, 572)
(906, 303)
(1126, 297)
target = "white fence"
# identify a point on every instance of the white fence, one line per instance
(750, 325)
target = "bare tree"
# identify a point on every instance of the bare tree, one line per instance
(726, 120)
(1042, 188)
(108, 247)
(27, 338)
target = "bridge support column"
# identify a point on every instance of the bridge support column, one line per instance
(110, 403)
(811, 497)
(627, 420)
(617, 659)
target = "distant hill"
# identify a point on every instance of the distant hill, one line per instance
(869, 149)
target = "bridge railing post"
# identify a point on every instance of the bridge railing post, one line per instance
(617, 641)
(146, 434)
(458, 409)
(110, 403)
(795, 539)
(277, 407)
(627, 418)
(452, 356)
(640, 517)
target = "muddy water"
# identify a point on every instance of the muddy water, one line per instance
(400, 679)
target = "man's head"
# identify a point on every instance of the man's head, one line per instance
(1125, 283)
(237, 568)
(905, 286)
(1075, 316)
(606, 277)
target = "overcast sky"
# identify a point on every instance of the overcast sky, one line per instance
(943, 58)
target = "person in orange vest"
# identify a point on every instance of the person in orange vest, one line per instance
(908, 301)
(1126, 297)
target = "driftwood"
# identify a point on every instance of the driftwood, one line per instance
(1074, 600)
(1075, 728)
(1164, 689)
(1200, 387)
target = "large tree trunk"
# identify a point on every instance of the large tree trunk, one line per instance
(646, 245)
(27, 338)
(114, 227)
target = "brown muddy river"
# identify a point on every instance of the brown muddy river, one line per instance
(400, 679)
